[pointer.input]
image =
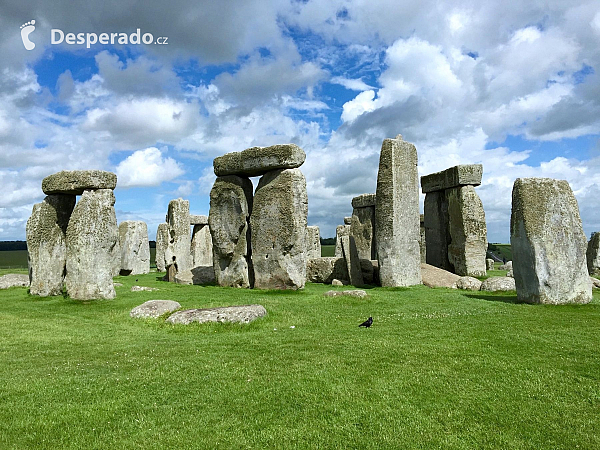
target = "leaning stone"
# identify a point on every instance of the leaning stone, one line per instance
(498, 284)
(92, 234)
(462, 175)
(435, 277)
(364, 201)
(489, 264)
(468, 284)
(74, 182)
(313, 242)
(256, 161)
(347, 220)
(230, 208)
(14, 280)
(179, 246)
(162, 242)
(198, 276)
(340, 231)
(142, 289)
(593, 254)
(548, 243)
(278, 223)
(397, 214)
(238, 314)
(46, 244)
(362, 230)
(135, 248)
(153, 309)
(198, 220)
(356, 293)
(352, 261)
(326, 269)
(202, 248)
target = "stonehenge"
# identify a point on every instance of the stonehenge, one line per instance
(162, 241)
(202, 250)
(178, 249)
(340, 232)
(593, 254)
(313, 242)
(362, 227)
(454, 220)
(135, 248)
(548, 243)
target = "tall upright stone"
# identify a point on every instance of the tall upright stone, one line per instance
(340, 232)
(423, 242)
(202, 248)
(437, 230)
(46, 244)
(135, 248)
(162, 242)
(278, 223)
(92, 234)
(548, 243)
(313, 242)
(593, 254)
(362, 228)
(230, 208)
(397, 214)
(179, 245)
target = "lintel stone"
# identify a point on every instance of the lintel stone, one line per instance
(461, 175)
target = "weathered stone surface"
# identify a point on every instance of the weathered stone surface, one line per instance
(153, 309)
(202, 247)
(498, 284)
(325, 270)
(14, 280)
(368, 269)
(337, 282)
(436, 277)
(462, 175)
(468, 232)
(179, 245)
(364, 201)
(362, 230)
(595, 282)
(171, 273)
(92, 234)
(313, 242)
(198, 276)
(510, 274)
(507, 266)
(257, 161)
(278, 223)
(437, 232)
(340, 231)
(352, 261)
(141, 289)
(468, 284)
(135, 248)
(198, 220)
(548, 243)
(489, 264)
(241, 314)
(593, 254)
(347, 220)
(397, 214)
(422, 241)
(162, 242)
(74, 182)
(46, 244)
(356, 293)
(230, 208)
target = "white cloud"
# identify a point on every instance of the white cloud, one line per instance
(352, 84)
(147, 168)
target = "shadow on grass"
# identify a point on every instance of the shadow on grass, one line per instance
(505, 298)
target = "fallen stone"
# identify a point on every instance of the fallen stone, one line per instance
(14, 280)
(75, 182)
(489, 264)
(462, 175)
(135, 248)
(197, 276)
(179, 245)
(593, 254)
(142, 288)
(46, 244)
(468, 284)
(258, 161)
(498, 284)
(153, 309)
(230, 208)
(397, 214)
(92, 235)
(162, 242)
(435, 277)
(239, 314)
(278, 223)
(326, 269)
(364, 201)
(362, 230)
(340, 232)
(548, 243)
(352, 261)
(313, 242)
(198, 220)
(202, 247)
(357, 293)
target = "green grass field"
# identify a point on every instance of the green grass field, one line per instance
(438, 369)
(13, 259)
(327, 250)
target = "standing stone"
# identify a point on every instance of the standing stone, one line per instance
(362, 228)
(352, 261)
(179, 245)
(46, 244)
(135, 248)
(313, 242)
(340, 231)
(548, 243)
(489, 264)
(278, 223)
(468, 232)
(202, 248)
(92, 234)
(422, 241)
(397, 214)
(230, 208)
(437, 232)
(162, 242)
(593, 254)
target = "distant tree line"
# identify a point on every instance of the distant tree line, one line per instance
(327, 241)
(13, 245)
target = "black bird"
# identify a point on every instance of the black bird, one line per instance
(367, 323)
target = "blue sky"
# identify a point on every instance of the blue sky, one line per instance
(514, 87)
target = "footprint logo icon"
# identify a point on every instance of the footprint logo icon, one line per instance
(26, 29)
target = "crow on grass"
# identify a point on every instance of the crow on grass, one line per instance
(367, 323)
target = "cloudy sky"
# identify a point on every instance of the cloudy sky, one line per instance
(512, 85)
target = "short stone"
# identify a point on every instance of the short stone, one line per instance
(356, 293)
(495, 284)
(142, 288)
(14, 280)
(435, 277)
(198, 220)
(198, 276)
(74, 182)
(153, 309)
(461, 175)
(238, 314)
(326, 269)
(256, 161)
(507, 266)
(489, 264)
(468, 284)
(364, 201)
(337, 282)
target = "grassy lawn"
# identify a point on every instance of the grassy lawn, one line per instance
(327, 250)
(438, 369)
(13, 258)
